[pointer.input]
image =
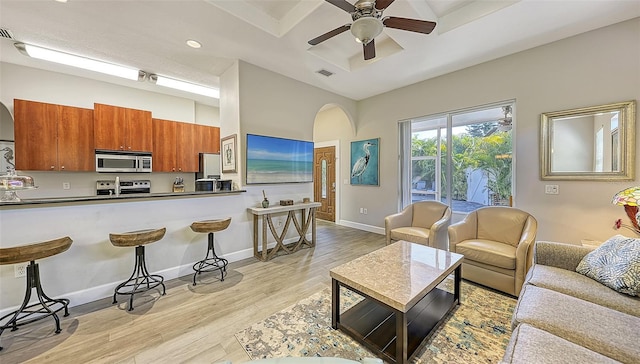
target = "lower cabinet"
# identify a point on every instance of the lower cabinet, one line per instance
(51, 137)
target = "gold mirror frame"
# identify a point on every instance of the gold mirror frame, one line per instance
(627, 138)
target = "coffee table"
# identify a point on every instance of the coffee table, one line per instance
(401, 305)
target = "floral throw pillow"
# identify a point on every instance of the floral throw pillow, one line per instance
(616, 264)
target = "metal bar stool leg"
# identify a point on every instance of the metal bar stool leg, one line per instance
(210, 264)
(139, 277)
(27, 313)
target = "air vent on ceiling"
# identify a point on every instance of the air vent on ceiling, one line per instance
(325, 72)
(6, 33)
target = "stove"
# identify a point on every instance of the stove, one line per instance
(126, 187)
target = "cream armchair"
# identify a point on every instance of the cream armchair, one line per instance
(423, 222)
(497, 244)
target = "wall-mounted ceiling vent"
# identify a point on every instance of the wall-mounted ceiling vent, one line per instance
(6, 33)
(325, 72)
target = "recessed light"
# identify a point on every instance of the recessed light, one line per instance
(193, 43)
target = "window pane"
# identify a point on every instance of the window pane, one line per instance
(324, 179)
(469, 169)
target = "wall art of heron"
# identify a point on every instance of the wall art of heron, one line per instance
(360, 166)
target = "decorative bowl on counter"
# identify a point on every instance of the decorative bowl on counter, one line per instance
(11, 182)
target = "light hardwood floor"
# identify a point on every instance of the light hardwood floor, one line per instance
(190, 324)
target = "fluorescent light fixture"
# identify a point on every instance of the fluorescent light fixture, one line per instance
(184, 86)
(79, 62)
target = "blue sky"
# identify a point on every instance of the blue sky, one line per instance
(271, 148)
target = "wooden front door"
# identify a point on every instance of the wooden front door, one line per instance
(324, 183)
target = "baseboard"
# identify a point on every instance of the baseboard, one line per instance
(359, 226)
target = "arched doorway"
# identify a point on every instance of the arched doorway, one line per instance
(332, 127)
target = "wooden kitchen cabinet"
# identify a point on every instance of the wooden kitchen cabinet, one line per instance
(209, 139)
(51, 137)
(177, 145)
(119, 128)
(164, 145)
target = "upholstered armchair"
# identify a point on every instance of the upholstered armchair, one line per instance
(497, 244)
(423, 222)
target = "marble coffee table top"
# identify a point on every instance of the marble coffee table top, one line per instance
(399, 274)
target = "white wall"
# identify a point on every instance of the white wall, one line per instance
(563, 75)
(274, 105)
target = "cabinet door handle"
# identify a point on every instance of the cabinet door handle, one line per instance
(53, 167)
(62, 167)
(122, 147)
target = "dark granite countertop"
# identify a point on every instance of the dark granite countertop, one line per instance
(106, 198)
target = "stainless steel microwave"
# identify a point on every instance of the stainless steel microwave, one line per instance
(126, 162)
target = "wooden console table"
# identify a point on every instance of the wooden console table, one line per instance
(267, 213)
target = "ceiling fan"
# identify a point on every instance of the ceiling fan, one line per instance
(503, 124)
(368, 23)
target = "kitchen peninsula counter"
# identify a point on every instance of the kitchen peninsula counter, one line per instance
(111, 198)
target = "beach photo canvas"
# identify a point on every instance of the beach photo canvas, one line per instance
(278, 160)
(364, 162)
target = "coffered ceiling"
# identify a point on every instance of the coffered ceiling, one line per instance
(150, 35)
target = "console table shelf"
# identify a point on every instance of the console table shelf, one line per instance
(307, 218)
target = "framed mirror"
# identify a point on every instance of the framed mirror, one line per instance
(589, 144)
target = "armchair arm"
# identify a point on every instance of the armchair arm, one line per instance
(524, 252)
(438, 231)
(463, 230)
(560, 255)
(402, 218)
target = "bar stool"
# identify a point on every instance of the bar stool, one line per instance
(214, 263)
(140, 280)
(47, 306)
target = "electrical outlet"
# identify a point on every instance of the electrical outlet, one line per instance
(362, 210)
(551, 189)
(20, 269)
(365, 211)
(66, 185)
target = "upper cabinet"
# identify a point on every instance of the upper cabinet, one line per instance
(177, 146)
(52, 137)
(119, 128)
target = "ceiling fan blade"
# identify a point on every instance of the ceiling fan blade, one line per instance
(329, 34)
(369, 50)
(383, 4)
(412, 25)
(343, 4)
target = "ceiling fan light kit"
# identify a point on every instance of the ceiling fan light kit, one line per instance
(365, 29)
(368, 23)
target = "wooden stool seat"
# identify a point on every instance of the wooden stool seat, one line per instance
(27, 253)
(141, 280)
(44, 306)
(213, 263)
(210, 226)
(135, 238)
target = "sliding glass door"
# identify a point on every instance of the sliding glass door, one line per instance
(462, 158)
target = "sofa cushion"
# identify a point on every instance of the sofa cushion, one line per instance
(411, 233)
(616, 264)
(529, 344)
(577, 285)
(611, 333)
(488, 252)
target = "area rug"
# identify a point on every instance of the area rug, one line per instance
(477, 331)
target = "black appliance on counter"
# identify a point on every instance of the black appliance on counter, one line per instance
(210, 184)
(126, 187)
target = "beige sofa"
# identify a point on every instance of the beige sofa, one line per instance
(565, 317)
(497, 245)
(423, 222)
